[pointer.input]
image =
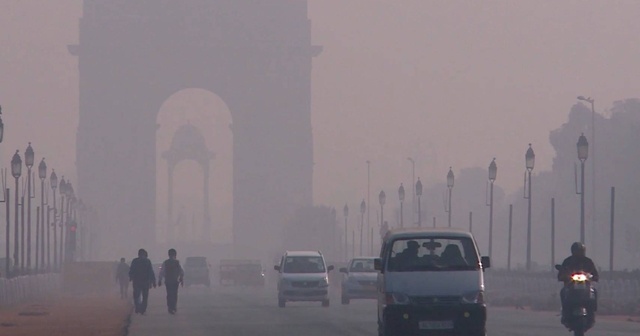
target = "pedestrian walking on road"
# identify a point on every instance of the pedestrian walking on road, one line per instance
(122, 278)
(142, 276)
(173, 274)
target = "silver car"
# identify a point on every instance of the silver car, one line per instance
(360, 280)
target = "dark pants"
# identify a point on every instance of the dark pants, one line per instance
(124, 288)
(172, 295)
(138, 290)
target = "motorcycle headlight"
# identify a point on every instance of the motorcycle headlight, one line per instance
(397, 298)
(476, 297)
(579, 277)
(324, 282)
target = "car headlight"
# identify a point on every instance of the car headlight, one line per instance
(324, 282)
(476, 297)
(397, 298)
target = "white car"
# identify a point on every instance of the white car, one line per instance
(431, 281)
(303, 276)
(360, 280)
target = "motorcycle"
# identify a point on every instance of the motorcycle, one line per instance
(581, 302)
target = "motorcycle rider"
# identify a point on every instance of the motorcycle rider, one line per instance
(577, 262)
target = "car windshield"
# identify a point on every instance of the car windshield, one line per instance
(433, 254)
(362, 266)
(196, 262)
(303, 265)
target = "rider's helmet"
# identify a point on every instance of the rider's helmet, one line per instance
(578, 249)
(172, 253)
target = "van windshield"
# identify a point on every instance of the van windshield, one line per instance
(433, 254)
(303, 265)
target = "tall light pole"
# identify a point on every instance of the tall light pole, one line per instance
(419, 194)
(1, 127)
(71, 200)
(583, 153)
(345, 211)
(401, 197)
(53, 180)
(42, 174)
(29, 157)
(450, 181)
(593, 167)
(382, 198)
(493, 173)
(16, 171)
(363, 207)
(63, 190)
(413, 195)
(368, 196)
(530, 159)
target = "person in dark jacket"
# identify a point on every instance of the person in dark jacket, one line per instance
(173, 274)
(577, 262)
(142, 276)
(122, 278)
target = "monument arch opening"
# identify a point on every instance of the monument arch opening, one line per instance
(194, 169)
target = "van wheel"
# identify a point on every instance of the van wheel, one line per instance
(344, 300)
(281, 303)
(325, 303)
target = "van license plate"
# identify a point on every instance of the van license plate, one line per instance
(435, 325)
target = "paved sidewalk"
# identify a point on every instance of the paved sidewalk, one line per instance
(67, 316)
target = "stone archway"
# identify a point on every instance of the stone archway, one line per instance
(189, 144)
(255, 55)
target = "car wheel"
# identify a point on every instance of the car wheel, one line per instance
(282, 303)
(325, 303)
(382, 330)
(344, 300)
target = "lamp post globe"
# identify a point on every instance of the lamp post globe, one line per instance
(29, 156)
(1, 126)
(42, 170)
(16, 165)
(382, 197)
(583, 148)
(401, 193)
(450, 178)
(418, 188)
(53, 179)
(62, 188)
(530, 158)
(493, 170)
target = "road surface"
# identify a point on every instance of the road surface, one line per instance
(239, 312)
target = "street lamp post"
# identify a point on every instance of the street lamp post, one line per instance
(16, 171)
(382, 198)
(363, 207)
(591, 101)
(42, 174)
(450, 180)
(583, 153)
(530, 159)
(401, 197)
(28, 161)
(71, 201)
(53, 180)
(345, 211)
(493, 173)
(413, 184)
(62, 188)
(1, 127)
(368, 196)
(419, 194)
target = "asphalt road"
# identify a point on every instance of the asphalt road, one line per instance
(241, 311)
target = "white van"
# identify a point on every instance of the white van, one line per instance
(430, 280)
(303, 276)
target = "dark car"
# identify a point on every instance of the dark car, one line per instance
(196, 271)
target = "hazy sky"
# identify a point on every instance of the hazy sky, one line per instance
(450, 83)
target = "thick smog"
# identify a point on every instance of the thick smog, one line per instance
(319, 167)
